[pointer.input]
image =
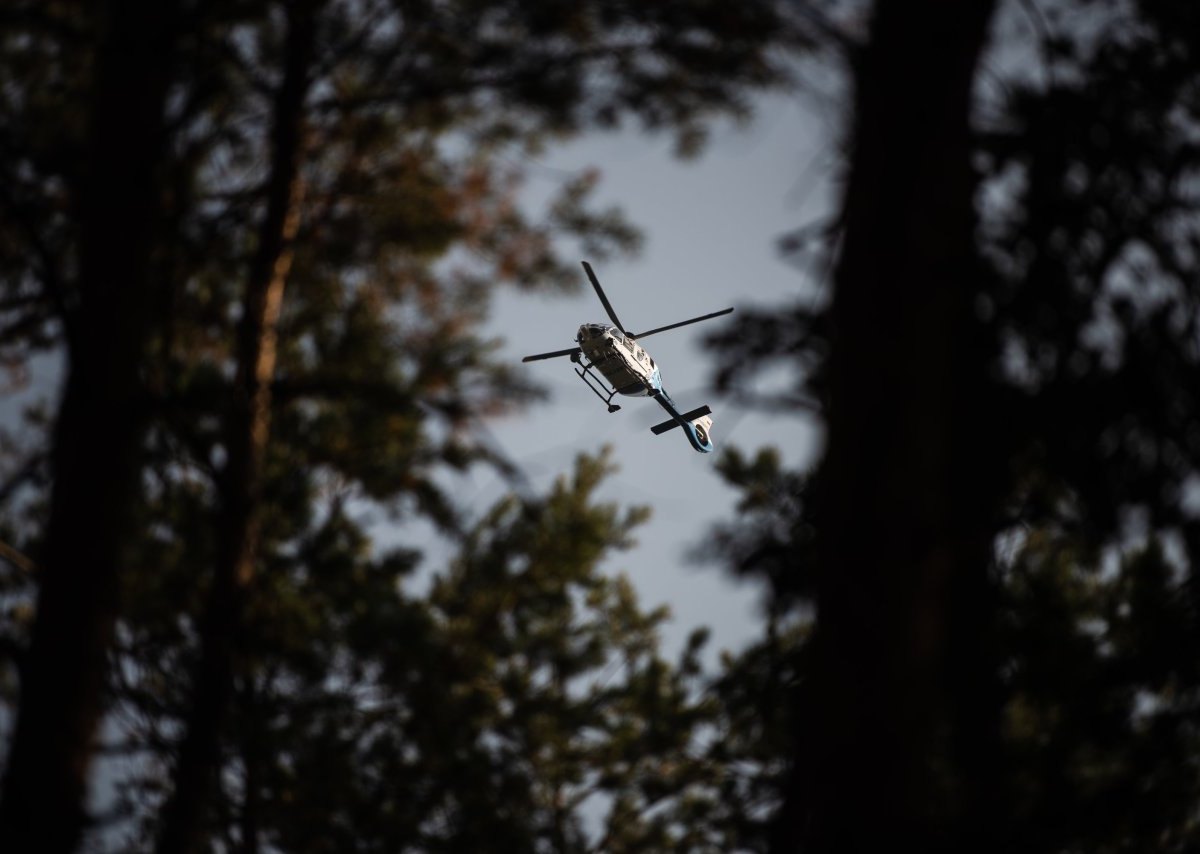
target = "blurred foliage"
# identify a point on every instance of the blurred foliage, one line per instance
(521, 703)
(1086, 304)
(524, 691)
(1100, 680)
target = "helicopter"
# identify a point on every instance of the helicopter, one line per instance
(626, 368)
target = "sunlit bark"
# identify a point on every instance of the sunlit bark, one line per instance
(247, 433)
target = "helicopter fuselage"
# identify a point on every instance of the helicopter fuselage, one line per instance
(623, 362)
(626, 366)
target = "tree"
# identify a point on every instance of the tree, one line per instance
(522, 702)
(522, 692)
(1100, 741)
(1096, 677)
(398, 120)
(904, 458)
(772, 538)
(246, 434)
(1090, 250)
(1073, 380)
(99, 429)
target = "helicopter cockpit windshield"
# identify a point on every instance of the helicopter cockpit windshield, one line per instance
(593, 330)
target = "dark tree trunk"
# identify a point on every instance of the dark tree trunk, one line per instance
(97, 436)
(887, 736)
(247, 431)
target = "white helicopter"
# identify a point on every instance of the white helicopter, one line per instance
(629, 369)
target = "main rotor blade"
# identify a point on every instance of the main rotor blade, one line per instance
(600, 293)
(556, 353)
(681, 323)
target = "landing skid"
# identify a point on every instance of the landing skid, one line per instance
(595, 383)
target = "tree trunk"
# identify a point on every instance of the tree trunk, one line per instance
(247, 431)
(904, 494)
(97, 437)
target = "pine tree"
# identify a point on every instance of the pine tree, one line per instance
(1075, 690)
(401, 122)
(100, 425)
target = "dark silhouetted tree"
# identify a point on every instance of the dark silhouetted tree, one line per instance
(401, 122)
(98, 434)
(1022, 414)
(902, 497)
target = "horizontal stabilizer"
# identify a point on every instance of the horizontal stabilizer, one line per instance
(659, 429)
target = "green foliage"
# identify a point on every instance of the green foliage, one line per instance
(521, 704)
(524, 694)
(1091, 250)
(771, 537)
(1100, 679)
(771, 540)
